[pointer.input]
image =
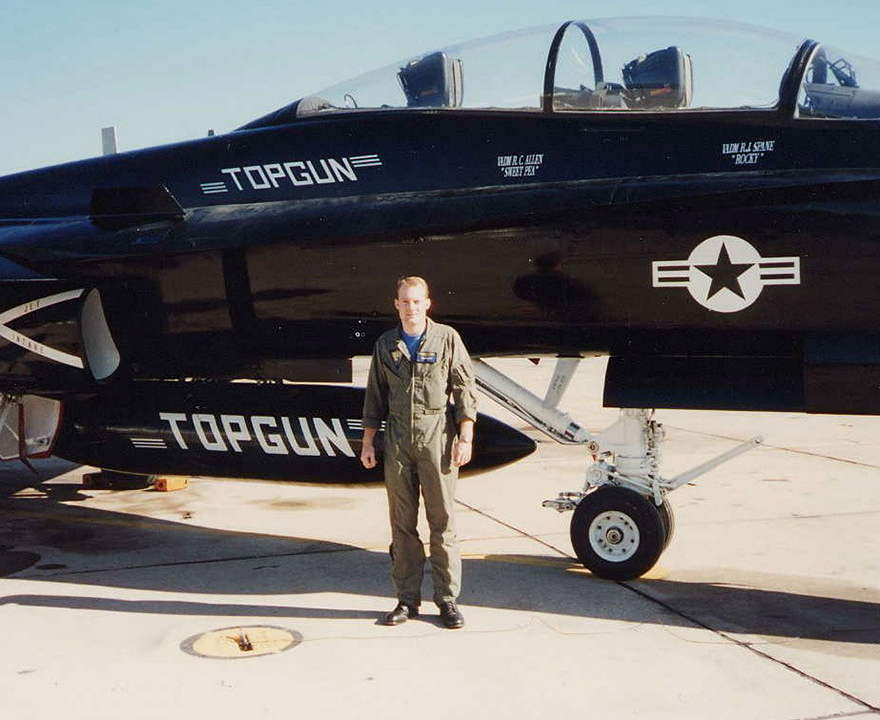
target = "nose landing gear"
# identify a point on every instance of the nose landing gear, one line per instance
(622, 518)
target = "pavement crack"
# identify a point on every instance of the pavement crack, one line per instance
(755, 650)
(181, 563)
(858, 713)
(726, 636)
(513, 527)
(791, 516)
(871, 709)
(796, 451)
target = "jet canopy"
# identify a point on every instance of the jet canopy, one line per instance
(615, 65)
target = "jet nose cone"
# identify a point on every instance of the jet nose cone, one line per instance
(496, 444)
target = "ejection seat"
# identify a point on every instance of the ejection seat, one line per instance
(432, 81)
(831, 90)
(661, 79)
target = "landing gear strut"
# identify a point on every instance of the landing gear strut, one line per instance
(622, 519)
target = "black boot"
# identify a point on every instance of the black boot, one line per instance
(450, 615)
(400, 614)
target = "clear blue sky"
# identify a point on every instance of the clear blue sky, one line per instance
(167, 70)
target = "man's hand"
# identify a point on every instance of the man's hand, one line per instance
(464, 445)
(368, 452)
(368, 456)
(461, 452)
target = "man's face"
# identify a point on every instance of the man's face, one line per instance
(412, 305)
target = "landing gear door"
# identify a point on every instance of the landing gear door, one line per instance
(28, 426)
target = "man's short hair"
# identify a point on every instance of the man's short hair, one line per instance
(413, 281)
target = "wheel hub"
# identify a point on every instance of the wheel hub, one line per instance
(614, 536)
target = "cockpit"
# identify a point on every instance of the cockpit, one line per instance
(654, 80)
(615, 65)
(832, 87)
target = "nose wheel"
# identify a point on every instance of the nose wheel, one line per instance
(618, 534)
(622, 521)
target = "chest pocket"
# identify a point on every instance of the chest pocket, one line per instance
(397, 375)
(433, 370)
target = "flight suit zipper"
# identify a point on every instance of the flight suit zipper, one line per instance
(412, 389)
(412, 400)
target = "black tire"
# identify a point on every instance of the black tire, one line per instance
(667, 517)
(627, 533)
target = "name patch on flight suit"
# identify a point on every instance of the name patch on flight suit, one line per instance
(426, 357)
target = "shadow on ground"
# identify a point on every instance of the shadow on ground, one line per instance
(97, 548)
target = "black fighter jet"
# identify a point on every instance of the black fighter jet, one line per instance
(697, 201)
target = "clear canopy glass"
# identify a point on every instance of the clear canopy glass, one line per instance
(617, 65)
(840, 86)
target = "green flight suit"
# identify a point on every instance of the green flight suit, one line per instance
(412, 396)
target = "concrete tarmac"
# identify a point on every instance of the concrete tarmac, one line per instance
(765, 605)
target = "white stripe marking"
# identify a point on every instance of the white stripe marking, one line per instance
(36, 347)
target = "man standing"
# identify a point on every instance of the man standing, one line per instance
(416, 368)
